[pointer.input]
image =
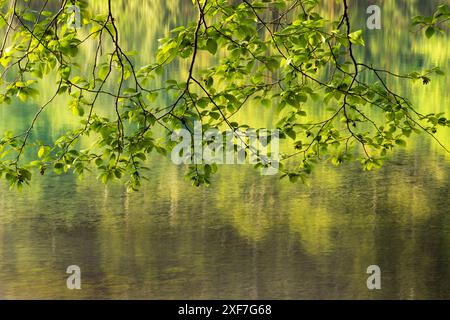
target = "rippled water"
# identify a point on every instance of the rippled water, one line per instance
(245, 236)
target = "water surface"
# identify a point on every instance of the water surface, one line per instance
(245, 236)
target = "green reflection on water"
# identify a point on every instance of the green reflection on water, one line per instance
(246, 236)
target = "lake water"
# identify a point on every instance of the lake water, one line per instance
(246, 236)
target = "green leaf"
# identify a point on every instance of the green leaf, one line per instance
(291, 133)
(273, 64)
(430, 32)
(151, 96)
(211, 46)
(103, 72)
(356, 38)
(28, 16)
(41, 152)
(65, 72)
